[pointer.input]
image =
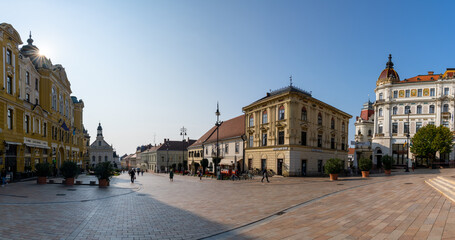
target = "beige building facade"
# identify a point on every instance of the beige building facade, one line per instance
(294, 134)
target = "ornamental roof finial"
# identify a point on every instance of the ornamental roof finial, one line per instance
(30, 40)
(389, 64)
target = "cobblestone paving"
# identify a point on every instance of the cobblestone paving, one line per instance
(155, 208)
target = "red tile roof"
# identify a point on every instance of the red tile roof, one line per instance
(422, 78)
(234, 127)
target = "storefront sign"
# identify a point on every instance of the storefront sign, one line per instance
(35, 143)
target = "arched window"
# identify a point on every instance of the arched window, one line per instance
(304, 114)
(419, 109)
(332, 124)
(251, 120)
(369, 132)
(319, 119)
(380, 112)
(431, 109)
(394, 111)
(445, 108)
(264, 117)
(281, 113)
(407, 109)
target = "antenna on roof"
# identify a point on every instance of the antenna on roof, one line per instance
(154, 139)
(290, 80)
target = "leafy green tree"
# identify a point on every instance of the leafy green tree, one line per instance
(431, 139)
(204, 164)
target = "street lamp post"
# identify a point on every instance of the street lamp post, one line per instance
(183, 134)
(167, 154)
(217, 124)
(407, 145)
(243, 152)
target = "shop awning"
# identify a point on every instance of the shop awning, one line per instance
(13, 143)
(36, 146)
(227, 161)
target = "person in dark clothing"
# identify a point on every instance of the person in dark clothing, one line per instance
(264, 175)
(133, 175)
(171, 175)
(3, 176)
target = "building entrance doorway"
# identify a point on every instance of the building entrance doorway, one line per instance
(303, 168)
(279, 169)
(263, 164)
(11, 159)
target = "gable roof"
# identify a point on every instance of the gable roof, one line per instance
(234, 127)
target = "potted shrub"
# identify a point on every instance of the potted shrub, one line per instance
(69, 171)
(104, 172)
(387, 163)
(365, 166)
(42, 170)
(333, 167)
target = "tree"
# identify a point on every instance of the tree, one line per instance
(204, 164)
(431, 139)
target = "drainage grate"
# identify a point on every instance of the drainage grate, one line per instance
(71, 189)
(280, 213)
(408, 183)
(60, 194)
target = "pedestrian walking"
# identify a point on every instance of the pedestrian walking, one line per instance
(200, 173)
(171, 175)
(264, 175)
(3, 175)
(142, 172)
(133, 175)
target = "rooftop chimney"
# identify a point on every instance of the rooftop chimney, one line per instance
(430, 72)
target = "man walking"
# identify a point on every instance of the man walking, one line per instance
(264, 175)
(132, 174)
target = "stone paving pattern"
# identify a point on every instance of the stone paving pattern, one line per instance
(400, 206)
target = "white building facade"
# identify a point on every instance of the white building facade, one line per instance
(407, 105)
(101, 151)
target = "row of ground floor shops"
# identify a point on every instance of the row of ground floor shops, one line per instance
(283, 161)
(19, 160)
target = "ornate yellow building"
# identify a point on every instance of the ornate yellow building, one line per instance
(39, 119)
(294, 134)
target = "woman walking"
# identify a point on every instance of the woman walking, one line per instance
(171, 175)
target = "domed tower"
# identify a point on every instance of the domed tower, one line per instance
(388, 75)
(31, 51)
(99, 131)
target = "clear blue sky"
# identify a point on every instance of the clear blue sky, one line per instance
(146, 68)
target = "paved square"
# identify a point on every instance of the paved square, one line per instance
(400, 206)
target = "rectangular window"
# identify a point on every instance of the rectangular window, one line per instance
(418, 126)
(226, 148)
(380, 128)
(395, 94)
(27, 78)
(407, 93)
(27, 123)
(280, 137)
(264, 139)
(303, 141)
(237, 146)
(394, 127)
(320, 166)
(9, 57)
(431, 123)
(446, 91)
(445, 123)
(419, 92)
(9, 85)
(406, 128)
(432, 92)
(10, 119)
(251, 141)
(332, 143)
(320, 141)
(36, 84)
